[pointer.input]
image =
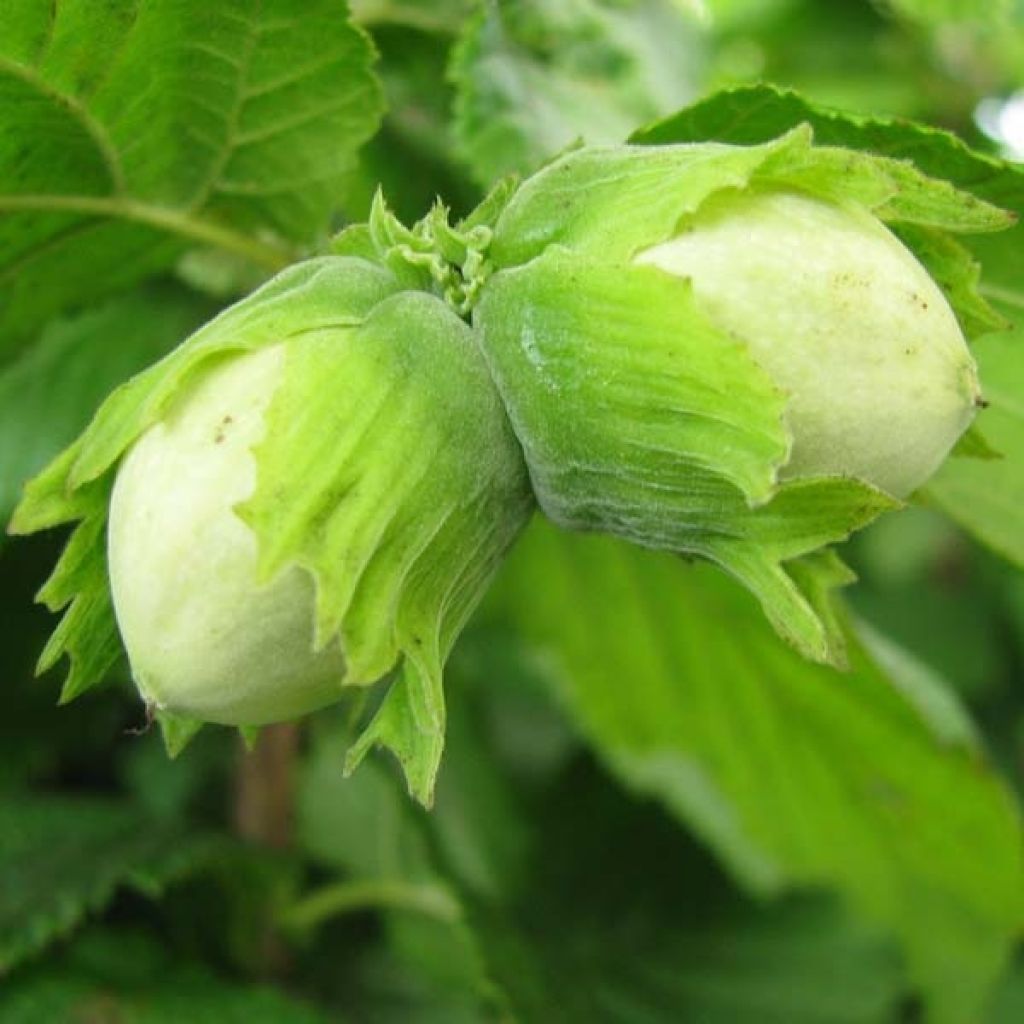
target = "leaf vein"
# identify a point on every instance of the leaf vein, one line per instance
(245, 139)
(94, 129)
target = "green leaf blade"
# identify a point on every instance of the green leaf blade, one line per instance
(532, 78)
(795, 775)
(248, 147)
(49, 883)
(122, 972)
(986, 495)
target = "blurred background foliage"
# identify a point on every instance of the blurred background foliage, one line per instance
(649, 810)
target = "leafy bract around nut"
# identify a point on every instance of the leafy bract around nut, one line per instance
(311, 492)
(723, 351)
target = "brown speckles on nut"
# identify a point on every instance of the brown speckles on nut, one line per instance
(221, 432)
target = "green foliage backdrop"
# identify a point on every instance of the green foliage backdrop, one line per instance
(651, 809)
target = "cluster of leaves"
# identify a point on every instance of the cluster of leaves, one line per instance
(651, 809)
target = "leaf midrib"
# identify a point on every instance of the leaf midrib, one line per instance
(264, 254)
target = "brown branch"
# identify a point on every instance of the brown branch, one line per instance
(264, 794)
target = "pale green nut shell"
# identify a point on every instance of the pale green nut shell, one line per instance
(878, 378)
(204, 639)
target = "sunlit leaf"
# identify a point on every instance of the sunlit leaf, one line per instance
(534, 77)
(136, 129)
(794, 774)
